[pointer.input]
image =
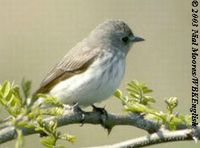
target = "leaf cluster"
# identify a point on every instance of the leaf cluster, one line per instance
(24, 115)
(138, 100)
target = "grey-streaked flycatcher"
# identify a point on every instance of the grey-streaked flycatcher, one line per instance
(92, 70)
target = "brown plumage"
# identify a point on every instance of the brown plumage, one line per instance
(74, 62)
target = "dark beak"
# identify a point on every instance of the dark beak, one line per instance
(136, 39)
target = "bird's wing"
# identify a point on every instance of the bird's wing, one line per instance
(76, 61)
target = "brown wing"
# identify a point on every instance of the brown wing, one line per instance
(76, 61)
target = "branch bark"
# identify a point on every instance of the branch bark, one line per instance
(77, 116)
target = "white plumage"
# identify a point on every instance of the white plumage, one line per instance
(95, 84)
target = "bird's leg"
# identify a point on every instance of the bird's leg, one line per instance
(104, 117)
(77, 108)
(101, 110)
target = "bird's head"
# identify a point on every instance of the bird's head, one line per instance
(114, 33)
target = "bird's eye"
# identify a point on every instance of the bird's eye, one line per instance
(125, 39)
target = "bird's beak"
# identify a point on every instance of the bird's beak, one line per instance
(136, 39)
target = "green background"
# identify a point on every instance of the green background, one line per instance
(35, 34)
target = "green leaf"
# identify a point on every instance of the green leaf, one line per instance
(6, 88)
(26, 87)
(68, 137)
(134, 91)
(10, 98)
(146, 90)
(153, 117)
(171, 102)
(54, 111)
(50, 100)
(134, 95)
(52, 125)
(138, 90)
(24, 124)
(147, 99)
(135, 107)
(48, 141)
(17, 94)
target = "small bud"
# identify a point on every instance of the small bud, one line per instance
(118, 93)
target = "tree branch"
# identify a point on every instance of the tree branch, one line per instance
(159, 137)
(77, 116)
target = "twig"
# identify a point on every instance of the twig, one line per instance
(156, 138)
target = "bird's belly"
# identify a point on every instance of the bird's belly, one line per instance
(94, 85)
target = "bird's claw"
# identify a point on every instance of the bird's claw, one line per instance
(77, 108)
(104, 117)
(101, 110)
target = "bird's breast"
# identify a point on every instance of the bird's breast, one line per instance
(96, 84)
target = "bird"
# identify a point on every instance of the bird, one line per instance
(93, 69)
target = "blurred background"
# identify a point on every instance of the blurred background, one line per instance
(35, 34)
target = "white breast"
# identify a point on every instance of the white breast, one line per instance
(97, 83)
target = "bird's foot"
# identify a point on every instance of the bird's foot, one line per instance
(101, 110)
(77, 108)
(103, 118)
